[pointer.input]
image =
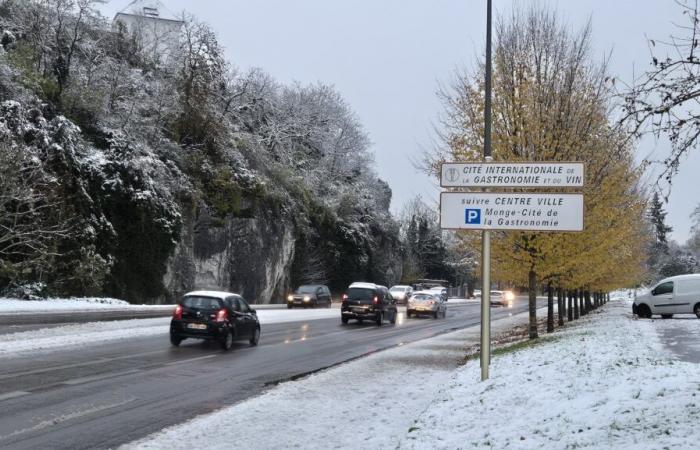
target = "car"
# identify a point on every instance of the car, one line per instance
(673, 295)
(440, 291)
(502, 298)
(368, 301)
(224, 317)
(312, 295)
(401, 293)
(477, 293)
(426, 303)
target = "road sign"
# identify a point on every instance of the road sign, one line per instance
(511, 211)
(544, 174)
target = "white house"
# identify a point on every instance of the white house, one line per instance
(156, 28)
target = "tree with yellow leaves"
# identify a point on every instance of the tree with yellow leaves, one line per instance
(551, 103)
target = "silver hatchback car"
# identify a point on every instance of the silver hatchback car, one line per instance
(427, 303)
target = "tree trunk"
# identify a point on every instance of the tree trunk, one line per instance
(570, 308)
(532, 303)
(560, 306)
(576, 310)
(582, 303)
(550, 307)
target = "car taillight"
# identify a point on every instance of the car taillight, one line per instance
(345, 298)
(376, 300)
(222, 315)
(430, 302)
(177, 314)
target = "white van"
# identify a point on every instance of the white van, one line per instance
(674, 295)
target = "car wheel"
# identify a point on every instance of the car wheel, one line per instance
(697, 310)
(290, 306)
(359, 321)
(256, 337)
(644, 311)
(380, 319)
(666, 316)
(393, 318)
(408, 314)
(227, 341)
(344, 320)
(435, 315)
(175, 340)
(330, 303)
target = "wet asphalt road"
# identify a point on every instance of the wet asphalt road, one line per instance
(106, 395)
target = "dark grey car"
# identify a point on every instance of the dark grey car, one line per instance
(310, 296)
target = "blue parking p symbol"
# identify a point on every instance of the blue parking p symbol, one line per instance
(472, 216)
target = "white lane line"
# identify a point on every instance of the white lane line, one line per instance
(70, 366)
(184, 361)
(13, 394)
(65, 418)
(103, 376)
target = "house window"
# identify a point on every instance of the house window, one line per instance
(150, 12)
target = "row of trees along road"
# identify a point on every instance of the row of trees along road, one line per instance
(552, 102)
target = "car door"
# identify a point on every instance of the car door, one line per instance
(320, 297)
(327, 293)
(662, 298)
(251, 320)
(238, 319)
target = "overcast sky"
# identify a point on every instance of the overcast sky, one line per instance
(388, 57)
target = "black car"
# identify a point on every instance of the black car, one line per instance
(213, 315)
(368, 301)
(310, 295)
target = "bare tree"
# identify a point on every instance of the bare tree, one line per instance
(30, 222)
(665, 99)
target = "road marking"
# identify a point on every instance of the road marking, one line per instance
(65, 418)
(69, 366)
(183, 361)
(13, 394)
(103, 376)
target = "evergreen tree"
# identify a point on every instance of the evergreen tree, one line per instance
(657, 216)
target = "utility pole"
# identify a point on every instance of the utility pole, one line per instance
(485, 357)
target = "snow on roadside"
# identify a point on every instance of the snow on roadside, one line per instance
(77, 335)
(12, 305)
(606, 383)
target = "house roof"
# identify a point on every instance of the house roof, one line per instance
(149, 8)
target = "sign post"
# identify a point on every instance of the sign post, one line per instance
(485, 353)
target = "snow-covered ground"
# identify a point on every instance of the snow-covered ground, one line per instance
(603, 382)
(11, 305)
(92, 333)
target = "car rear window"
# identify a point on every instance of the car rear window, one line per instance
(422, 297)
(201, 302)
(360, 294)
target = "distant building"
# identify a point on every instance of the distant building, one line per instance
(156, 28)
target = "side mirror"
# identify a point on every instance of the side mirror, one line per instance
(252, 311)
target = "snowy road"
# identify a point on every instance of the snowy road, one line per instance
(118, 391)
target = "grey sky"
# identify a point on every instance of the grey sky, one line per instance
(387, 57)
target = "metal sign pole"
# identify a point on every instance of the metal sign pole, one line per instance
(485, 357)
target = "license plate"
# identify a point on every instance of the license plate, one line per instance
(196, 326)
(359, 310)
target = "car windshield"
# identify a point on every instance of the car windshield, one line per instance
(422, 297)
(398, 289)
(201, 302)
(496, 293)
(360, 294)
(307, 289)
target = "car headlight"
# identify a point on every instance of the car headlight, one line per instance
(307, 298)
(510, 296)
(290, 298)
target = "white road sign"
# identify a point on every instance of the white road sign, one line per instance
(509, 211)
(544, 174)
